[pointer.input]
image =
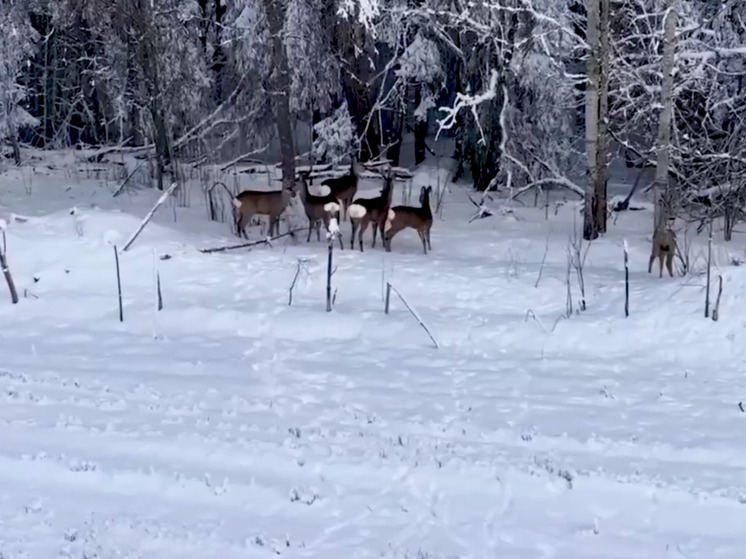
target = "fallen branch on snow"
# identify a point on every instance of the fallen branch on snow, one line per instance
(148, 217)
(267, 241)
(390, 288)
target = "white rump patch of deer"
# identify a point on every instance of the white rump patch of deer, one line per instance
(356, 211)
(331, 207)
(365, 212)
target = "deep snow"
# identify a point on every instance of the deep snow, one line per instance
(233, 425)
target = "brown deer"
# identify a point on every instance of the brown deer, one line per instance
(664, 247)
(366, 211)
(318, 209)
(344, 188)
(420, 219)
(251, 202)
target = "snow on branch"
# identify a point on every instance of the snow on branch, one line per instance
(367, 11)
(469, 102)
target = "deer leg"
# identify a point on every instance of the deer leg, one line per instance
(245, 219)
(310, 229)
(363, 227)
(661, 256)
(353, 227)
(650, 263)
(421, 233)
(318, 230)
(348, 203)
(381, 226)
(427, 235)
(669, 263)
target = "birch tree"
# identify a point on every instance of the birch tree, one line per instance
(663, 209)
(596, 117)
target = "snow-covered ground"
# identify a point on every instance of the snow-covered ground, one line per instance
(231, 424)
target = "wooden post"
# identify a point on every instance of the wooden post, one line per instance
(119, 285)
(716, 310)
(8, 278)
(626, 279)
(160, 293)
(709, 262)
(329, 274)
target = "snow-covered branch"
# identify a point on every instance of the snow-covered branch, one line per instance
(470, 103)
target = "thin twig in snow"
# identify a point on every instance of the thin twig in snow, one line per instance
(543, 259)
(300, 267)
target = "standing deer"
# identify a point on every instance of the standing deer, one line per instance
(664, 247)
(318, 209)
(344, 188)
(365, 211)
(251, 202)
(420, 219)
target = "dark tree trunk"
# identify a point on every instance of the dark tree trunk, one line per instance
(420, 131)
(162, 154)
(280, 84)
(219, 57)
(16, 149)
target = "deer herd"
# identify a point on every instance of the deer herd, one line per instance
(339, 202)
(376, 213)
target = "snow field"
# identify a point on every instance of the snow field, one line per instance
(233, 425)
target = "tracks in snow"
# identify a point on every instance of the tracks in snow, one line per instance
(290, 453)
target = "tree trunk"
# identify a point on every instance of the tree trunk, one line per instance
(420, 130)
(161, 142)
(280, 84)
(16, 148)
(596, 117)
(602, 159)
(661, 190)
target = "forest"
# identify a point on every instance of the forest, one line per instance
(500, 371)
(534, 94)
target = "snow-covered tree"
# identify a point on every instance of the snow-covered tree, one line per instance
(707, 147)
(17, 45)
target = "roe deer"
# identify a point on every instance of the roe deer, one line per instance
(345, 187)
(366, 211)
(420, 219)
(664, 247)
(318, 209)
(251, 202)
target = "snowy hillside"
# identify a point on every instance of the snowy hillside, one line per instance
(234, 425)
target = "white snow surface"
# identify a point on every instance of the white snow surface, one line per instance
(232, 425)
